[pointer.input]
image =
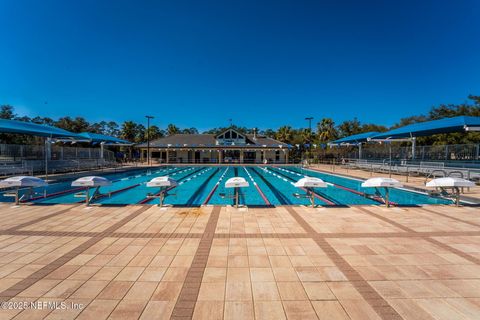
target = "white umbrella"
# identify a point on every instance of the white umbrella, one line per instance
(236, 182)
(451, 182)
(22, 182)
(165, 183)
(309, 183)
(381, 182)
(90, 182)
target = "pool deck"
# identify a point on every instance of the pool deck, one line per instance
(363, 262)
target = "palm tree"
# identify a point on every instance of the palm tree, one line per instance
(307, 136)
(326, 130)
(129, 130)
(172, 129)
(284, 134)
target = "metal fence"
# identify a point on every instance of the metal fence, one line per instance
(454, 152)
(14, 152)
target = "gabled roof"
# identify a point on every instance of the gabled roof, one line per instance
(356, 138)
(95, 137)
(231, 130)
(209, 140)
(34, 129)
(428, 128)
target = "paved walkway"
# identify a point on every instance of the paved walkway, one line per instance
(146, 262)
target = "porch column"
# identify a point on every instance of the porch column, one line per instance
(360, 150)
(102, 150)
(286, 155)
(220, 156)
(241, 156)
(167, 160)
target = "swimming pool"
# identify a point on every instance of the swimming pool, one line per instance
(197, 185)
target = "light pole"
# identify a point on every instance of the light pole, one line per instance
(148, 138)
(309, 119)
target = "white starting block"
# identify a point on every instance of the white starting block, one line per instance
(165, 183)
(451, 183)
(383, 183)
(236, 183)
(309, 183)
(90, 182)
(22, 182)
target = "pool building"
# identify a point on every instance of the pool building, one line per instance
(229, 146)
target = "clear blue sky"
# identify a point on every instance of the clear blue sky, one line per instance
(262, 63)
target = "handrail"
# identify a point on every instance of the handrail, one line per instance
(433, 171)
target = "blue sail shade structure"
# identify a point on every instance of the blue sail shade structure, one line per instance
(38, 130)
(355, 139)
(428, 128)
(101, 138)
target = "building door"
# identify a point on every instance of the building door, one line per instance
(197, 156)
(232, 156)
(249, 156)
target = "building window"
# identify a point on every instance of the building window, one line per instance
(277, 155)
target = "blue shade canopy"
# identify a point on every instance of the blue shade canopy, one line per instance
(95, 137)
(356, 138)
(428, 128)
(38, 130)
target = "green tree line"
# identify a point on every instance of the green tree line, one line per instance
(326, 130)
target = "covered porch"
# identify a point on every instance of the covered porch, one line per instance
(215, 155)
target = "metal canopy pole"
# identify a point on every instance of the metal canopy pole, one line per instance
(47, 152)
(414, 145)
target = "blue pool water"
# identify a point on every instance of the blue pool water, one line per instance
(206, 185)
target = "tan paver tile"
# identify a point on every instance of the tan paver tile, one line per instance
(130, 274)
(359, 309)
(64, 289)
(238, 275)
(318, 291)
(98, 310)
(299, 310)
(160, 310)
(215, 275)
(115, 290)
(269, 310)
(167, 291)
(212, 291)
(265, 291)
(128, 309)
(208, 310)
(89, 290)
(238, 310)
(238, 291)
(292, 291)
(329, 310)
(261, 274)
(141, 290)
